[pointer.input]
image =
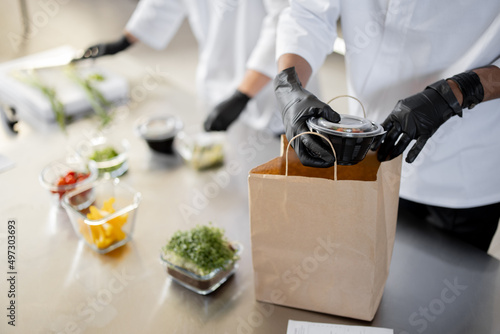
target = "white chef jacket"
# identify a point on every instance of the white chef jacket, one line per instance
(232, 36)
(394, 49)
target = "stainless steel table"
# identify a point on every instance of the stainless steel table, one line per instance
(436, 283)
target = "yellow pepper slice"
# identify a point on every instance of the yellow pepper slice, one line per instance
(108, 233)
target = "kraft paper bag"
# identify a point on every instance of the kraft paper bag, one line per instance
(321, 244)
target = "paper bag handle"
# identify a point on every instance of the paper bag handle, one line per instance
(317, 134)
(352, 97)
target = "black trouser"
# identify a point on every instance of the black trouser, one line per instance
(476, 226)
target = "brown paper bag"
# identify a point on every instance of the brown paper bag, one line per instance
(321, 244)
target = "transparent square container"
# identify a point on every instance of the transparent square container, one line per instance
(51, 173)
(113, 230)
(206, 284)
(115, 166)
(200, 149)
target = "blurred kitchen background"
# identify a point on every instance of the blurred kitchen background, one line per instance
(32, 26)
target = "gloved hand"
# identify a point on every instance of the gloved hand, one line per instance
(104, 49)
(226, 112)
(297, 105)
(417, 117)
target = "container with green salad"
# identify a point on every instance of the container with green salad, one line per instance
(109, 155)
(201, 259)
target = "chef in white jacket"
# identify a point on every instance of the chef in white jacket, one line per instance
(438, 62)
(236, 42)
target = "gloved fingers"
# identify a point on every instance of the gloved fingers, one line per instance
(329, 114)
(104, 49)
(92, 52)
(226, 112)
(210, 123)
(217, 122)
(377, 142)
(389, 141)
(416, 148)
(387, 124)
(401, 145)
(314, 152)
(307, 158)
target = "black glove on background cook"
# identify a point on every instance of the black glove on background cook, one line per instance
(226, 112)
(420, 115)
(297, 105)
(104, 49)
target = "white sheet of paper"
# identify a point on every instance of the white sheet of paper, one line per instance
(304, 327)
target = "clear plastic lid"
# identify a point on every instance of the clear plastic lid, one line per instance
(349, 126)
(159, 127)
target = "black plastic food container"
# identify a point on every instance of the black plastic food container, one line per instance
(351, 137)
(159, 132)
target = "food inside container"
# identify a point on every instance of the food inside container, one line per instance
(110, 156)
(351, 137)
(108, 221)
(201, 259)
(201, 150)
(62, 176)
(349, 126)
(159, 131)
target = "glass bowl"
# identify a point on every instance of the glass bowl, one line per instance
(159, 131)
(200, 149)
(111, 156)
(104, 225)
(206, 284)
(62, 176)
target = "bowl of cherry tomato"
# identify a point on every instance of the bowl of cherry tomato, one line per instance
(61, 176)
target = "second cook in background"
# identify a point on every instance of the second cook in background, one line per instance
(236, 42)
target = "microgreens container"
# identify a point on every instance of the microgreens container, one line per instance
(51, 175)
(159, 131)
(203, 284)
(352, 137)
(104, 227)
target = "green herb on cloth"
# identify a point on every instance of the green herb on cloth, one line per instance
(203, 246)
(32, 79)
(97, 100)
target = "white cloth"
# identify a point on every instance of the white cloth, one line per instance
(33, 107)
(394, 48)
(232, 36)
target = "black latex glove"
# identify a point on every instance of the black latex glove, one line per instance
(297, 105)
(104, 49)
(417, 117)
(226, 112)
